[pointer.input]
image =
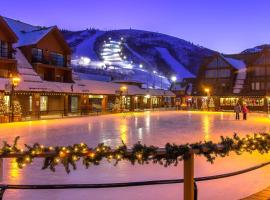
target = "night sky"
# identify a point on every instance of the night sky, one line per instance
(229, 26)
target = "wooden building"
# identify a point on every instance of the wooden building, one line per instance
(8, 65)
(229, 79)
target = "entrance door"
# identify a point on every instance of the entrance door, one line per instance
(74, 104)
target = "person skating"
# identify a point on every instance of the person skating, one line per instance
(245, 111)
(237, 110)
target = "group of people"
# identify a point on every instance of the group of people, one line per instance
(238, 109)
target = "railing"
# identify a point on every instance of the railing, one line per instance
(190, 186)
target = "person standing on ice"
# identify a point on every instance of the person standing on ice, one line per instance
(245, 111)
(237, 110)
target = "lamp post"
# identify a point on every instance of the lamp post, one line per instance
(14, 82)
(207, 91)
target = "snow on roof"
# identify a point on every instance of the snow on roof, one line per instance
(158, 92)
(32, 37)
(238, 64)
(27, 33)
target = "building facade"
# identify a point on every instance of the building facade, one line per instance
(225, 80)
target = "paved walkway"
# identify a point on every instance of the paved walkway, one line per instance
(262, 195)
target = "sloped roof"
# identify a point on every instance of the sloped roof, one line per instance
(11, 34)
(30, 35)
(236, 63)
(33, 37)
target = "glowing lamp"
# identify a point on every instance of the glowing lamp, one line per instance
(123, 88)
(15, 81)
(173, 78)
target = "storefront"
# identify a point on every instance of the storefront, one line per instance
(95, 102)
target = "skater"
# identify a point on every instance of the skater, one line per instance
(245, 111)
(237, 110)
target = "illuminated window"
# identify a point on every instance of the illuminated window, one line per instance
(43, 103)
(30, 103)
(7, 101)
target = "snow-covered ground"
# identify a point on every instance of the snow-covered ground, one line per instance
(179, 68)
(155, 128)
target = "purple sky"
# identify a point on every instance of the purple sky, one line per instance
(228, 26)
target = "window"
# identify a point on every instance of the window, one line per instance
(30, 104)
(257, 86)
(211, 73)
(254, 102)
(224, 73)
(221, 73)
(57, 59)
(3, 49)
(43, 103)
(228, 101)
(7, 101)
(37, 55)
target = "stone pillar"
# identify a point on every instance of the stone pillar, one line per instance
(36, 105)
(104, 104)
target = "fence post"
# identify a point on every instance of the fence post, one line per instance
(1, 169)
(189, 178)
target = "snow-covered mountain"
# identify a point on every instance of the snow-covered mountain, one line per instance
(134, 54)
(257, 48)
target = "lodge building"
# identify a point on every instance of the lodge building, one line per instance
(228, 79)
(40, 57)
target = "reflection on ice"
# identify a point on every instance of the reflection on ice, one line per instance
(151, 128)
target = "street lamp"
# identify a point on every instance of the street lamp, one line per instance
(14, 81)
(173, 78)
(207, 91)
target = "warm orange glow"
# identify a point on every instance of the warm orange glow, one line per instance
(123, 132)
(15, 81)
(207, 90)
(123, 88)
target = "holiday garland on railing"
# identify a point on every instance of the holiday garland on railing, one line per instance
(141, 154)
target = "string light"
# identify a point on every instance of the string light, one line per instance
(141, 154)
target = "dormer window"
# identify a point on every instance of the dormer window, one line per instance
(37, 55)
(3, 49)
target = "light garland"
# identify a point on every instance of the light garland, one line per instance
(68, 156)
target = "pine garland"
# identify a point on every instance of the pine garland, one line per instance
(68, 156)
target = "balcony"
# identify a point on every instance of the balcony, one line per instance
(8, 66)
